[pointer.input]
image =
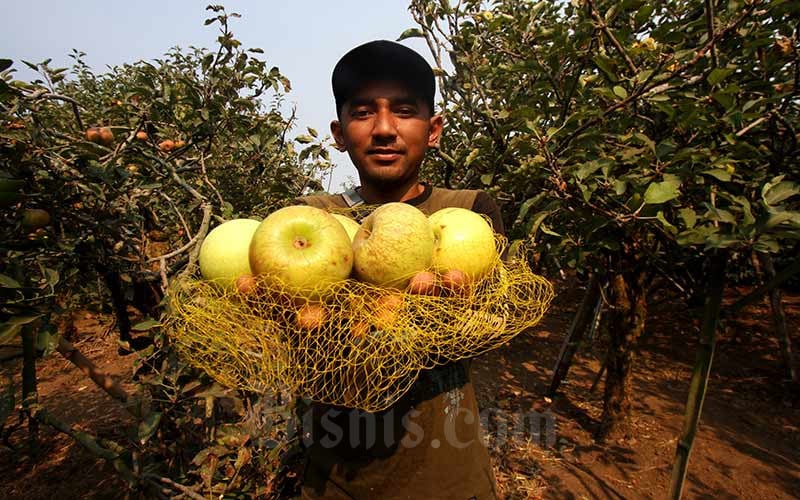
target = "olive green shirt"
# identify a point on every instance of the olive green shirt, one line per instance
(429, 444)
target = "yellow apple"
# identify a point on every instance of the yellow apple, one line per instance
(393, 244)
(349, 225)
(224, 254)
(464, 241)
(305, 248)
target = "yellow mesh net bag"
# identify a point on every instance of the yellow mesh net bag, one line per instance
(363, 347)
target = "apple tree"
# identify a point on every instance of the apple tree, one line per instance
(108, 184)
(647, 142)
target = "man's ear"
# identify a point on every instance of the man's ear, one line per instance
(437, 122)
(336, 132)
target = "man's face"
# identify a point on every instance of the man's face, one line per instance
(386, 131)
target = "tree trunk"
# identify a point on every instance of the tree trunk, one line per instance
(779, 319)
(626, 322)
(580, 324)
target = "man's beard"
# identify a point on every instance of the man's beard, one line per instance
(386, 182)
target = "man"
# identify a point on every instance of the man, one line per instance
(428, 445)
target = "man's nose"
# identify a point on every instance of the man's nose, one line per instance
(385, 125)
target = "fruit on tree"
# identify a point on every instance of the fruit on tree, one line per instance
(224, 254)
(142, 135)
(100, 135)
(464, 241)
(34, 218)
(179, 144)
(304, 248)
(349, 225)
(393, 243)
(166, 145)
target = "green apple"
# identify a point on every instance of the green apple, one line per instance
(464, 242)
(349, 225)
(224, 254)
(304, 247)
(393, 244)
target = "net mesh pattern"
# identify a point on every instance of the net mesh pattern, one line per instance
(359, 346)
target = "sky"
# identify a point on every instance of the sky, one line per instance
(304, 38)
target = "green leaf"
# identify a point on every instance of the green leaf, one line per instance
(11, 328)
(547, 230)
(47, 341)
(587, 169)
(643, 75)
(312, 132)
(779, 192)
(304, 139)
(719, 174)
(620, 187)
(538, 219)
(720, 215)
(643, 15)
(4, 65)
(646, 140)
(143, 326)
(486, 179)
(766, 245)
(726, 100)
(8, 282)
(526, 206)
(620, 92)
(669, 227)
(718, 75)
(689, 217)
(148, 426)
(410, 33)
(660, 192)
(777, 218)
(606, 66)
(471, 157)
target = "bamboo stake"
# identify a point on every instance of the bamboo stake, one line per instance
(576, 331)
(29, 395)
(779, 319)
(102, 379)
(759, 292)
(91, 443)
(702, 369)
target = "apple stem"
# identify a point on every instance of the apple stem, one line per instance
(300, 242)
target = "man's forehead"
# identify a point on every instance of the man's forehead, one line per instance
(384, 89)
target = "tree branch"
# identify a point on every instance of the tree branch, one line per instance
(607, 32)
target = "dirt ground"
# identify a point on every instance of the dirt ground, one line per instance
(748, 444)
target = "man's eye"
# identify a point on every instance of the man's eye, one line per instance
(406, 111)
(360, 113)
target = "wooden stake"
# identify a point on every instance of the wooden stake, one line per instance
(702, 369)
(29, 396)
(579, 325)
(779, 320)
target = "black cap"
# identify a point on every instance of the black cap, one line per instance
(382, 60)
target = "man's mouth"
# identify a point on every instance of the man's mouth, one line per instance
(384, 154)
